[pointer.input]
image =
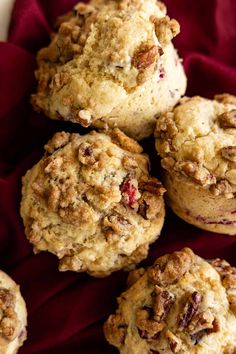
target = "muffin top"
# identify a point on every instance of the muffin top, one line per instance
(197, 141)
(181, 304)
(103, 51)
(91, 201)
(13, 316)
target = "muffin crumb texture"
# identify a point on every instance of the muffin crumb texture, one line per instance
(197, 144)
(181, 304)
(91, 201)
(13, 316)
(111, 62)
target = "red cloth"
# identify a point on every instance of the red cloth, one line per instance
(67, 310)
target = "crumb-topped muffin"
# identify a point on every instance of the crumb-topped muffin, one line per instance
(111, 62)
(182, 304)
(197, 144)
(13, 316)
(91, 201)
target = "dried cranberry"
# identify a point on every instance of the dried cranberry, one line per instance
(162, 73)
(129, 192)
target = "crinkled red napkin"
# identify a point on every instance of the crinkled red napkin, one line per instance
(67, 310)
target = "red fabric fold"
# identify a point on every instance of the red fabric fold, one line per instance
(67, 310)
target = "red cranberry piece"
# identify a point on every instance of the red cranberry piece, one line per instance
(129, 192)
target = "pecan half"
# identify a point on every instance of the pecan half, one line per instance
(146, 56)
(190, 309)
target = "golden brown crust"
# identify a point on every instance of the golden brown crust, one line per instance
(91, 78)
(186, 313)
(228, 278)
(9, 322)
(194, 141)
(197, 145)
(13, 316)
(93, 189)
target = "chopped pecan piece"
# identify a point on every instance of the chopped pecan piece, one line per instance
(213, 328)
(150, 202)
(115, 330)
(168, 163)
(53, 198)
(38, 186)
(169, 269)
(129, 163)
(58, 140)
(190, 309)
(227, 119)
(119, 138)
(175, 342)
(198, 173)
(162, 302)
(117, 224)
(222, 187)
(146, 56)
(165, 29)
(148, 328)
(85, 154)
(9, 324)
(53, 165)
(165, 126)
(7, 298)
(228, 278)
(229, 153)
(152, 185)
(203, 321)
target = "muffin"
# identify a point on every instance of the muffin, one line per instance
(182, 304)
(197, 144)
(91, 201)
(13, 316)
(111, 62)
